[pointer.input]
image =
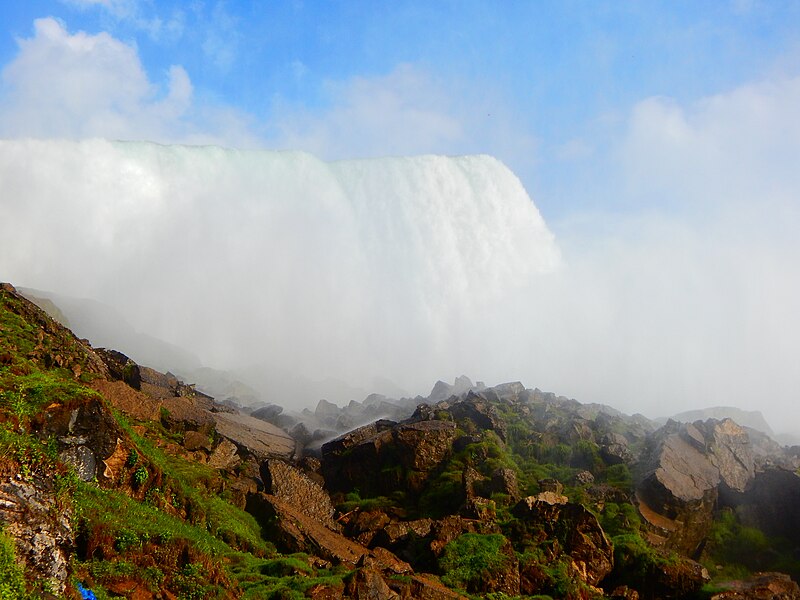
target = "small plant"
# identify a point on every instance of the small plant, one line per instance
(133, 458)
(140, 476)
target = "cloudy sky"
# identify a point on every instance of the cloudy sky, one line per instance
(659, 141)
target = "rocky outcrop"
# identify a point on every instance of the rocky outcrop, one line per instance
(31, 514)
(574, 531)
(291, 485)
(682, 473)
(403, 454)
(762, 586)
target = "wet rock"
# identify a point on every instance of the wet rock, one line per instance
(368, 584)
(129, 401)
(423, 587)
(762, 586)
(121, 367)
(417, 448)
(255, 437)
(30, 514)
(481, 413)
(292, 485)
(504, 481)
(683, 471)
(294, 531)
(614, 449)
(549, 516)
(194, 440)
(224, 455)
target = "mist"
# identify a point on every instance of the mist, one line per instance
(406, 269)
(663, 276)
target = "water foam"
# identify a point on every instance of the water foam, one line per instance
(351, 269)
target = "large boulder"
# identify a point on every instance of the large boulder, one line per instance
(292, 485)
(681, 475)
(572, 530)
(385, 456)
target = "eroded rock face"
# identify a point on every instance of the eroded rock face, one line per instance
(30, 514)
(292, 485)
(577, 531)
(295, 531)
(763, 586)
(683, 471)
(357, 460)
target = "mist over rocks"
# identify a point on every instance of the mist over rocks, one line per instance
(382, 259)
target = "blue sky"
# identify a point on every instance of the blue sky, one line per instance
(659, 140)
(548, 87)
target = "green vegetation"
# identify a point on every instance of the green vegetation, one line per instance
(471, 558)
(742, 550)
(12, 580)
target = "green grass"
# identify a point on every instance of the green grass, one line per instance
(12, 579)
(469, 558)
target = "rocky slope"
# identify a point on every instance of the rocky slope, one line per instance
(122, 481)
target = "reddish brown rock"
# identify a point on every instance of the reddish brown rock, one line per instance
(762, 586)
(291, 485)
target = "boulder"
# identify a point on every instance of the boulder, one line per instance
(288, 483)
(577, 531)
(294, 531)
(682, 473)
(762, 586)
(32, 516)
(404, 454)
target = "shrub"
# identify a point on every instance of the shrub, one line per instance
(470, 557)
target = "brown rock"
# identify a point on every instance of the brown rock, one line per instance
(194, 440)
(762, 586)
(224, 455)
(129, 401)
(368, 584)
(295, 531)
(261, 439)
(293, 486)
(577, 531)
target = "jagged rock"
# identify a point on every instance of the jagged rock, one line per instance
(762, 586)
(504, 481)
(480, 412)
(267, 413)
(363, 526)
(184, 414)
(471, 481)
(584, 478)
(770, 503)
(292, 485)
(422, 587)
(121, 367)
(683, 471)
(258, 438)
(224, 455)
(623, 592)
(295, 531)
(40, 527)
(548, 516)
(194, 440)
(551, 485)
(352, 460)
(368, 584)
(614, 449)
(86, 434)
(129, 401)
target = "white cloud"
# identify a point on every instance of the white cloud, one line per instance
(691, 298)
(82, 85)
(408, 111)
